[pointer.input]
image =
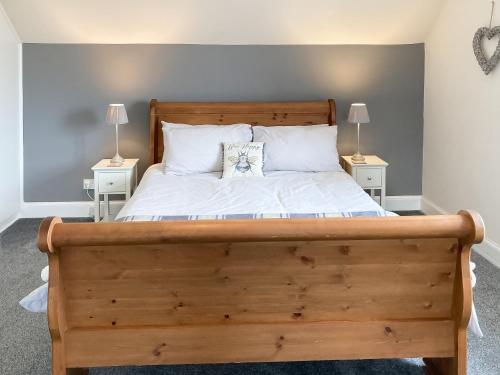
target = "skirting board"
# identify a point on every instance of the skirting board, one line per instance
(85, 209)
(65, 209)
(488, 249)
(403, 203)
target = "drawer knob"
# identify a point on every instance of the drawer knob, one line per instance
(369, 178)
(110, 183)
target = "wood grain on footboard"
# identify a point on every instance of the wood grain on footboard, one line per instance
(260, 290)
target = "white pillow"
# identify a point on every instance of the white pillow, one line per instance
(243, 159)
(311, 148)
(192, 149)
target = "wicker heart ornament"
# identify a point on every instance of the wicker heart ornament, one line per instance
(487, 64)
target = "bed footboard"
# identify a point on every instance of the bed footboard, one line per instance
(146, 293)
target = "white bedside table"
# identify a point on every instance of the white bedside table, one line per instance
(370, 176)
(113, 180)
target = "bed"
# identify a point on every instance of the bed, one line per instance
(325, 279)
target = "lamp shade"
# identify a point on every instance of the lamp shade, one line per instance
(116, 114)
(358, 114)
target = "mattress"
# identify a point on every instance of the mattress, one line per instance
(161, 196)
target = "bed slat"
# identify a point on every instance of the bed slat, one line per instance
(259, 343)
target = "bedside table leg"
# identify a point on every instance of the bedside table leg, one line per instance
(106, 207)
(97, 208)
(382, 192)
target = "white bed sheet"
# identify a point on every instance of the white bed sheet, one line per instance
(207, 194)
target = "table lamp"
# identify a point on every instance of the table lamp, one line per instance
(358, 114)
(116, 115)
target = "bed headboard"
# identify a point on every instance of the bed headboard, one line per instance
(253, 113)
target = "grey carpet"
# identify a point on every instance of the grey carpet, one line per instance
(25, 341)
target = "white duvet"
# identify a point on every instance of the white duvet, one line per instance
(207, 194)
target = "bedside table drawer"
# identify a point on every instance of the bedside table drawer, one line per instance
(111, 182)
(369, 177)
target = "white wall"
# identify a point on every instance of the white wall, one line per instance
(462, 121)
(10, 129)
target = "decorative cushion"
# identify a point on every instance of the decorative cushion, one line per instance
(243, 159)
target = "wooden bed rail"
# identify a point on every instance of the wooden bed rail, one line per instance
(466, 226)
(151, 293)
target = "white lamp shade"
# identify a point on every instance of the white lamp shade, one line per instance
(358, 114)
(116, 114)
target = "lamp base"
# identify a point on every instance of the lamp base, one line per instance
(357, 158)
(117, 160)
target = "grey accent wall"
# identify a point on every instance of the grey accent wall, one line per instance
(67, 89)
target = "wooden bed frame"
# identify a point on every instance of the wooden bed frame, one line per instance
(151, 293)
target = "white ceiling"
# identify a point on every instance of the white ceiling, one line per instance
(223, 21)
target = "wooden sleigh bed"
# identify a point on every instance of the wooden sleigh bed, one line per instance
(151, 293)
